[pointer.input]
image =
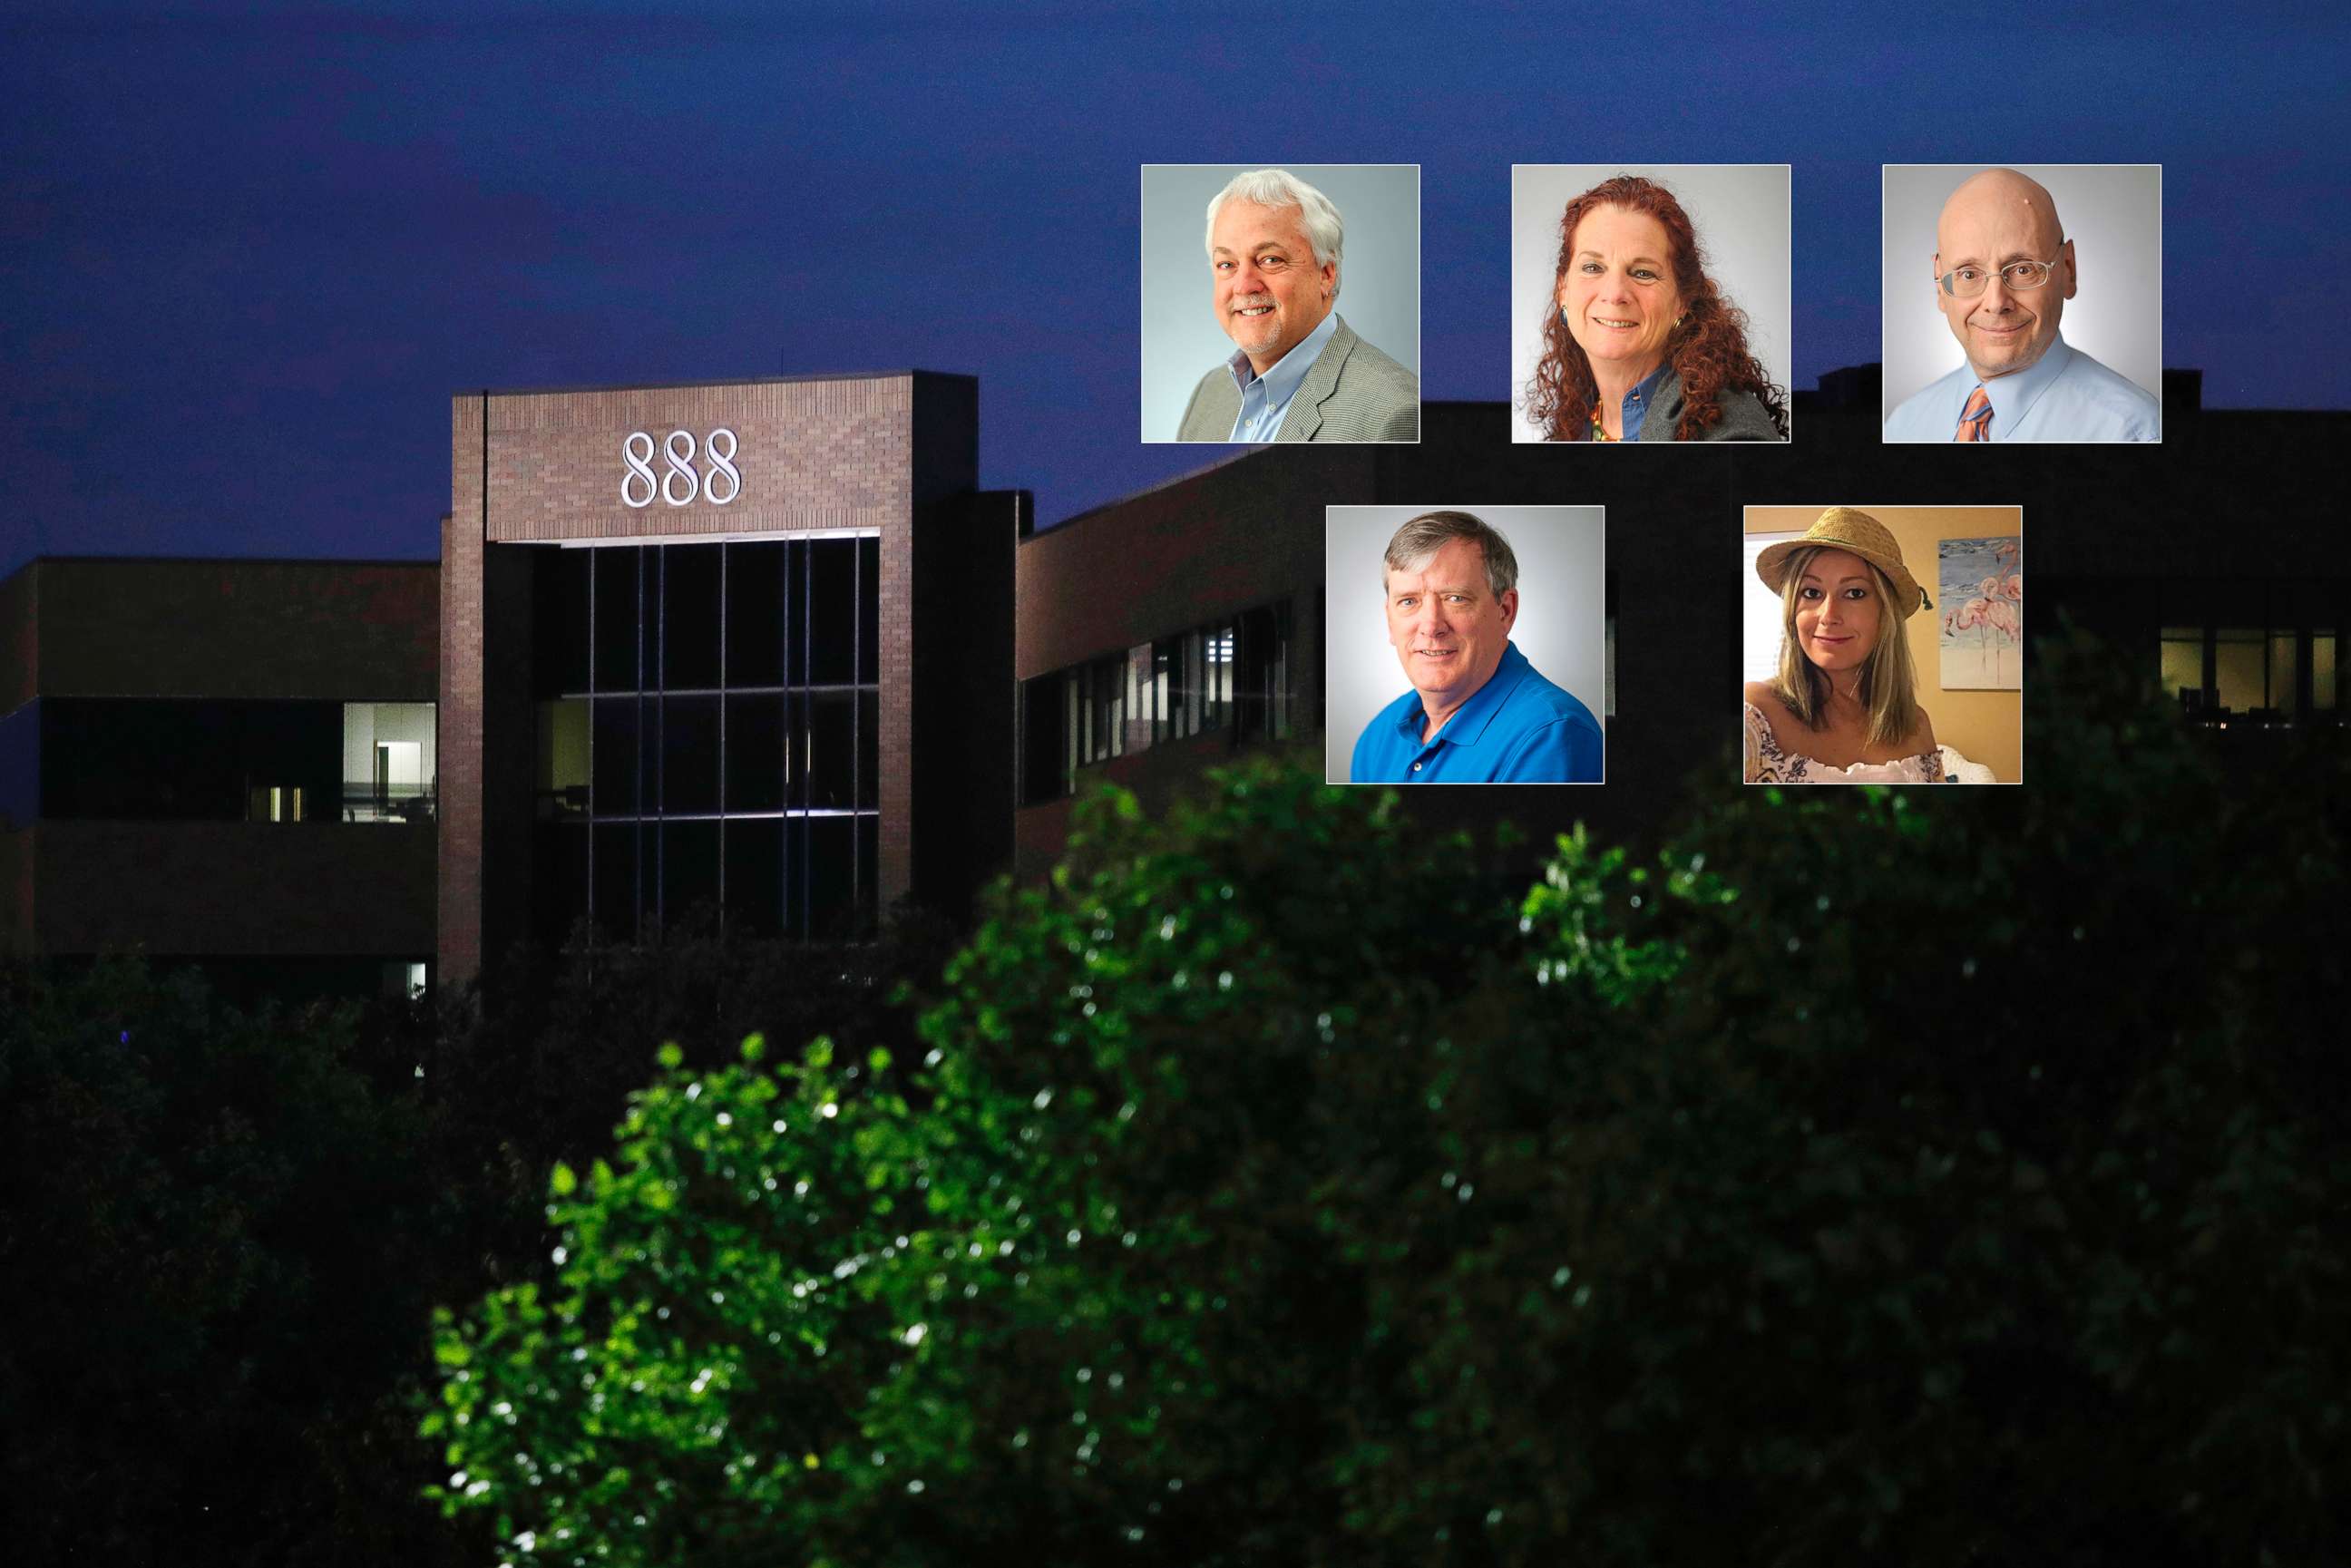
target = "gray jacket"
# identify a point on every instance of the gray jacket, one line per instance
(1744, 417)
(1350, 393)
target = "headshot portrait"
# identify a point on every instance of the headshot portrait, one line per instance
(2023, 304)
(1280, 303)
(1649, 303)
(1883, 645)
(1465, 645)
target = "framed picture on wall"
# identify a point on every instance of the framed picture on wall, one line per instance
(1982, 600)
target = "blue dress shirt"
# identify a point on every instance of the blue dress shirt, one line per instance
(2066, 396)
(1265, 399)
(1637, 402)
(1517, 729)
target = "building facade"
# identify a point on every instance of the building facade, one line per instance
(742, 646)
(763, 649)
(228, 761)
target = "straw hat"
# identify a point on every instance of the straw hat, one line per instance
(1857, 533)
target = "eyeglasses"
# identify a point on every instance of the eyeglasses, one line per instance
(2016, 277)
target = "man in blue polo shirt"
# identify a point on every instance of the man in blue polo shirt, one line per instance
(1477, 713)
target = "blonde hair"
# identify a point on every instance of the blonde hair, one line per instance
(1889, 683)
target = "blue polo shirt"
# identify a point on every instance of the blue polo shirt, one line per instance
(1517, 729)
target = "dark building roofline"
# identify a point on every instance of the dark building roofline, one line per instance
(1111, 505)
(718, 382)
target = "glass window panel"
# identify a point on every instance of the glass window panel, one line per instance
(1763, 623)
(1163, 726)
(612, 757)
(2241, 669)
(832, 871)
(795, 876)
(2282, 682)
(689, 755)
(796, 611)
(869, 749)
(616, 620)
(753, 848)
(614, 846)
(829, 763)
(1196, 682)
(1140, 692)
(296, 746)
(563, 775)
(559, 621)
(2322, 673)
(1107, 720)
(690, 621)
(869, 610)
(755, 615)
(755, 752)
(869, 880)
(689, 874)
(559, 879)
(649, 564)
(1217, 708)
(2183, 665)
(832, 612)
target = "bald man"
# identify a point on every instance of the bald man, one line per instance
(2003, 271)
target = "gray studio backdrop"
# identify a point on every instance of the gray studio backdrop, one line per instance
(1563, 609)
(2114, 215)
(1379, 271)
(1740, 214)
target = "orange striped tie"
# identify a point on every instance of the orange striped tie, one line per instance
(1975, 420)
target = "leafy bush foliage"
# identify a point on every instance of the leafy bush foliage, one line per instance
(219, 1259)
(1937, 1177)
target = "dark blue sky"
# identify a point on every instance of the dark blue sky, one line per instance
(244, 263)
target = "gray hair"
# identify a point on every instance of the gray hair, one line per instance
(1432, 531)
(1325, 230)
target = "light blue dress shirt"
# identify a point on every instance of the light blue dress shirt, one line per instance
(1265, 399)
(2066, 396)
(1517, 729)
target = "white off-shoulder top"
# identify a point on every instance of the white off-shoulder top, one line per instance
(1767, 764)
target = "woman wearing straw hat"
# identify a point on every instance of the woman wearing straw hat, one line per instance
(1842, 709)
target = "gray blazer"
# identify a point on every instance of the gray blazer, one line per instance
(1352, 392)
(1744, 417)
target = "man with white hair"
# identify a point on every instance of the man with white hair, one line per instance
(1298, 374)
(2003, 271)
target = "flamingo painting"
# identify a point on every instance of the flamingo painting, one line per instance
(1982, 637)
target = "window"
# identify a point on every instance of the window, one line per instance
(705, 711)
(1761, 614)
(179, 760)
(2263, 652)
(389, 762)
(1234, 674)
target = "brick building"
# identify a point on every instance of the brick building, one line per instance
(230, 761)
(765, 646)
(745, 645)
(2200, 557)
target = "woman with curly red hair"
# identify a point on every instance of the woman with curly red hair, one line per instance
(1642, 345)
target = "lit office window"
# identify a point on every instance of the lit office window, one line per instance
(1233, 676)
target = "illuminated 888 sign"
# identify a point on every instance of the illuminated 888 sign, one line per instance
(683, 481)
